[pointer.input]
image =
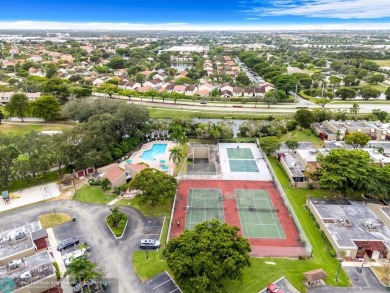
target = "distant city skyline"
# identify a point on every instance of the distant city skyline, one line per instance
(196, 15)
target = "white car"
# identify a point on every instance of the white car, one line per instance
(74, 255)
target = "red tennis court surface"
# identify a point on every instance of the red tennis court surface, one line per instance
(292, 246)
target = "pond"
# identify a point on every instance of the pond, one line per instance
(182, 66)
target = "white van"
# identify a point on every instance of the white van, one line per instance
(74, 255)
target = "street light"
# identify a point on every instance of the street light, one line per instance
(361, 268)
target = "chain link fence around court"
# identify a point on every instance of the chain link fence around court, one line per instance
(302, 233)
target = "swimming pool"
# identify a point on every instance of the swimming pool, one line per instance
(157, 149)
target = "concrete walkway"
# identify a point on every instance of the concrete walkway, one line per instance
(58, 259)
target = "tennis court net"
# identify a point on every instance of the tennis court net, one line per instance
(203, 208)
(253, 209)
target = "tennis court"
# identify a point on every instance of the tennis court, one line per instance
(243, 166)
(258, 216)
(204, 204)
(239, 153)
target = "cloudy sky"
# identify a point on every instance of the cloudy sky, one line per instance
(200, 14)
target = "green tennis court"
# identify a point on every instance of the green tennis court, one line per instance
(243, 166)
(204, 204)
(239, 153)
(258, 216)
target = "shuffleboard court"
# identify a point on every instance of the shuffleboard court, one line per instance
(239, 153)
(204, 204)
(243, 166)
(258, 217)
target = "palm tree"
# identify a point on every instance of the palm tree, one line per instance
(355, 109)
(116, 216)
(176, 155)
(82, 269)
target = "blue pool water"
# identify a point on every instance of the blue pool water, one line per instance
(157, 150)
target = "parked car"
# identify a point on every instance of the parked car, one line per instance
(74, 255)
(149, 243)
(203, 103)
(84, 284)
(272, 288)
(67, 243)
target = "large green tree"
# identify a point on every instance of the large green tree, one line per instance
(347, 170)
(46, 107)
(269, 144)
(155, 186)
(368, 93)
(346, 93)
(18, 105)
(204, 258)
(387, 93)
(287, 83)
(304, 118)
(8, 155)
(357, 139)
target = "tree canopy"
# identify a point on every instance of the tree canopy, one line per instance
(203, 258)
(269, 144)
(347, 170)
(18, 105)
(46, 107)
(155, 186)
(304, 118)
(357, 139)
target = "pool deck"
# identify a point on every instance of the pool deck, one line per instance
(263, 174)
(136, 157)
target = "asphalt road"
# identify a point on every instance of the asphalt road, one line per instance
(113, 256)
(362, 282)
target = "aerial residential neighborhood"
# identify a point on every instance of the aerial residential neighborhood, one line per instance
(194, 146)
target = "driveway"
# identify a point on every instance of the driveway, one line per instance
(362, 282)
(114, 256)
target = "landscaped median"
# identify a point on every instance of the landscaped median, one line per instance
(54, 219)
(117, 222)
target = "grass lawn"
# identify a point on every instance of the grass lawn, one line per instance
(361, 102)
(160, 113)
(159, 210)
(51, 220)
(93, 194)
(16, 185)
(383, 63)
(156, 264)
(302, 135)
(20, 129)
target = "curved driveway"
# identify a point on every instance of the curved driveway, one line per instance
(115, 256)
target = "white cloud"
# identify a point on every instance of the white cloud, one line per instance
(342, 9)
(252, 18)
(104, 26)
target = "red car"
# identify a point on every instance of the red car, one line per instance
(272, 288)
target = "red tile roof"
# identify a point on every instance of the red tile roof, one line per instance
(114, 174)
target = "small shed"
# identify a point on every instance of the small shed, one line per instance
(315, 277)
(67, 180)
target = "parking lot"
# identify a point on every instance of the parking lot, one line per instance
(114, 257)
(161, 283)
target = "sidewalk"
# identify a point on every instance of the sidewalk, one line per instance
(65, 283)
(360, 263)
